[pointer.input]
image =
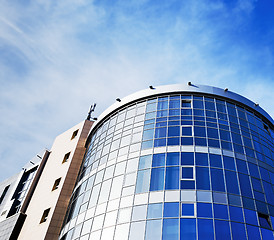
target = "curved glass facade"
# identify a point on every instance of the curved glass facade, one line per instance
(176, 166)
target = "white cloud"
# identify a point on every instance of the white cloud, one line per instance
(74, 53)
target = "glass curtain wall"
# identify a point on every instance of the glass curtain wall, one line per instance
(176, 167)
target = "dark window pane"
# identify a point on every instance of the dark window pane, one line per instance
(173, 141)
(200, 141)
(238, 230)
(160, 132)
(231, 182)
(217, 180)
(187, 209)
(187, 184)
(187, 172)
(245, 185)
(205, 229)
(199, 132)
(160, 142)
(173, 131)
(174, 104)
(220, 211)
(186, 131)
(222, 230)
(172, 159)
(186, 141)
(188, 228)
(198, 104)
(202, 178)
(204, 210)
(236, 214)
(201, 159)
(158, 160)
(215, 160)
(187, 158)
(229, 163)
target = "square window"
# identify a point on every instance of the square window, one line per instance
(45, 215)
(56, 184)
(188, 210)
(186, 131)
(187, 173)
(74, 134)
(66, 157)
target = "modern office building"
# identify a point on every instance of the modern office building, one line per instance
(176, 162)
(33, 203)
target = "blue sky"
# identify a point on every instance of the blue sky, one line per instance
(58, 57)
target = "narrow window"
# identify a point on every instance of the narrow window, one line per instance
(56, 184)
(186, 103)
(4, 193)
(45, 215)
(66, 157)
(266, 129)
(74, 134)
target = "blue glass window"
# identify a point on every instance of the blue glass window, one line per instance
(188, 228)
(147, 144)
(162, 113)
(157, 179)
(153, 230)
(212, 133)
(236, 214)
(188, 209)
(198, 112)
(253, 169)
(187, 158)
(199, 131)
(225, 135)
(253, 232)
(250, 217)
(204, 210)
(185, 184)
(160, 132)
(174, 112)
(202, 178)
(241, 166)
(201, 159)
(236, 138)
(245, 185)
(172, 178)
(174, 131)
(210, 114)
(148, 134)
(238, 231)
(198, 104)
(267, 234)
(161, 124)
(222, 230)
(229, 163)
(210, 105)
(226, 145)
(186, 141)
(187, 173)
(248, 203)
(170, 228)
(186, 112)
(200, 141)
(160, 142)
(213, 143)
(217, 180)
(174, 104)
(145, 162)
(205, 229)
(159, 160)
(151, 107)
(142, 184)
(231, 182)
(171, 209)
(173, 141)
(186, 131)
(162, 105)
(215, 160)
(172, 159)
(155, 210)
(220, 211)
(150, 115)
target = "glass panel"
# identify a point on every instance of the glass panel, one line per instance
(187, 173)
(157, 179)
(154, 230)
(188, 209)
(170, 229)
(145, 162)
(205, 229)
(204, 210)
(158, 160)
(172, 159)
(139, 212)
(155, 210)
(220, 211)
(137, 230)
(172, 178)
(217, 180)
(171, 209)
(202, 178)
(142, 184)
(222, 230)
(188, 228)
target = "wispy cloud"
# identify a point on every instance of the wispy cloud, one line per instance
(58, 57)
